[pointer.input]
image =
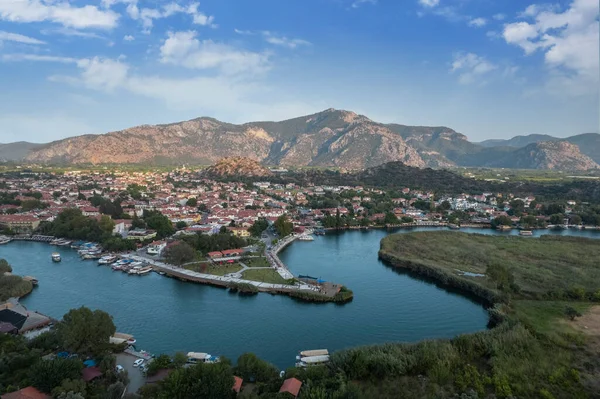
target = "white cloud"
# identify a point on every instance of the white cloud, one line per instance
(275, 39)
(569, 39)
(128, 38)
(471, 68)
(358, 3)
(148, 15)
(62, 12)
(183, 48)
(15, 37)
(284, 41)
(499, 17)
(429, 3)
(477, 22)
(37, 57)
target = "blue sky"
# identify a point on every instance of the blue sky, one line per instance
(489, 69)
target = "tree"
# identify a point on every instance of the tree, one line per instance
(575, 219)
(557, 218)
(572, 313)
(181, 225)
(192, 202)
(517, 207)
(251, 367)
(179, 359)
(106, 224)
(46, 375)
(115, 391)
(159, 222)
(283, 227)
(390, 218)
(75, 386)
(85, 331)
(199, 381)
(258, 227)
(137, 223)
(529, 221)
(501, 221)
(180, 253)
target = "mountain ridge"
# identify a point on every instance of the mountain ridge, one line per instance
(331, 138)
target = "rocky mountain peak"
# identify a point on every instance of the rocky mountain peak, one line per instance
(236, 166)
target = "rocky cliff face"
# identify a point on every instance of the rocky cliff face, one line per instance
(329, 138)
(560, 155)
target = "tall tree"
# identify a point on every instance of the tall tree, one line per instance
(85, 331)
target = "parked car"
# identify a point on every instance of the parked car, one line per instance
(120, 368)
(138, 363)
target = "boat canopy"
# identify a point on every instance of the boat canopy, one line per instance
(315, 359)
(315, 352)
(198, 355)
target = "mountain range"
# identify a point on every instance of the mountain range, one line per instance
(331, 138)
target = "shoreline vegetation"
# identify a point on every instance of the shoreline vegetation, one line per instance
(535, 289)
(11, 285)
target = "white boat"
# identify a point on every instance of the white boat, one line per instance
(312, 360)
(314, 352)
(525, 233)
(306, 237)
(144, 270)
(201, 357)
(107, 260)
(5, 240)
(56, 257)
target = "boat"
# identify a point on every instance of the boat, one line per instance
(92, 255)
(453, 226)
(526, 233)
(144, 270)
(313, 352)
(312, 360)
(306, 237)
(107, 260)
(201, 357)
(503, 227)
(77, 244)
(5, 240)
(63, 243)
(56, 257)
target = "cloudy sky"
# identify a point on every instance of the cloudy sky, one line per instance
(486, 68)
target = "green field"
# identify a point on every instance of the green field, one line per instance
(549, 267)
(263, 275)
(257, 262)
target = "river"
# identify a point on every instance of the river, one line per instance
(167, 315)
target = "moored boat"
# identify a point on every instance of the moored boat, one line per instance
(200, 357)
(313, 352)
(144, 270)
(526, 233)
(5, 240)
(306, 237)
(56, 257)
(312, 360)
(107, 260)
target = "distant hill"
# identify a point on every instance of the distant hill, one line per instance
(236, 167)
(331, 138)
(16, 151)
(518, 141)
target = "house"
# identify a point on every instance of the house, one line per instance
(20, 223)
(215, 255)
(141, 234)
(156, 247)
(90, 373)
(232, 252)
(237, 384)
(26, 393)
(21, 318)
(291, 386)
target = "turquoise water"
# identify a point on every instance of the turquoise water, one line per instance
(168, 315)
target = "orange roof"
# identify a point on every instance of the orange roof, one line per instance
(26, 393)
(237, 385)
(291, 385)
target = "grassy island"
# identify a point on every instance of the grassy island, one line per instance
(544, 296)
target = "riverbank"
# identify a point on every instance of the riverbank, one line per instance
(536, 351)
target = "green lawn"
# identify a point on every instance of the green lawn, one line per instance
(263, 275)
(217, 270)
(549, 265)
(257, 262)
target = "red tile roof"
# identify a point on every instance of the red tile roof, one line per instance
(237, 385)
(26, 393)
(90, 373)
(291, 385)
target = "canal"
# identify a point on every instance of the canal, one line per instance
(167, 315)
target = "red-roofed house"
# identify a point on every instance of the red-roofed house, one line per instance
(291, 386)
(20, 223)
(26, 393)
(90, 373)
(232, 252)
(215, 255)
(237, 385)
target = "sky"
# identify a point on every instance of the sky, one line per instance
(486, 68)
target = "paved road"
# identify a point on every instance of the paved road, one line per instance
(136, 378)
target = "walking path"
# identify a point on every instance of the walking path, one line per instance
(274, 259)
(221, 280)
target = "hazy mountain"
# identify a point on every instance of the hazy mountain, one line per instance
(518, 141)
(16, 151)
(332, 138)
